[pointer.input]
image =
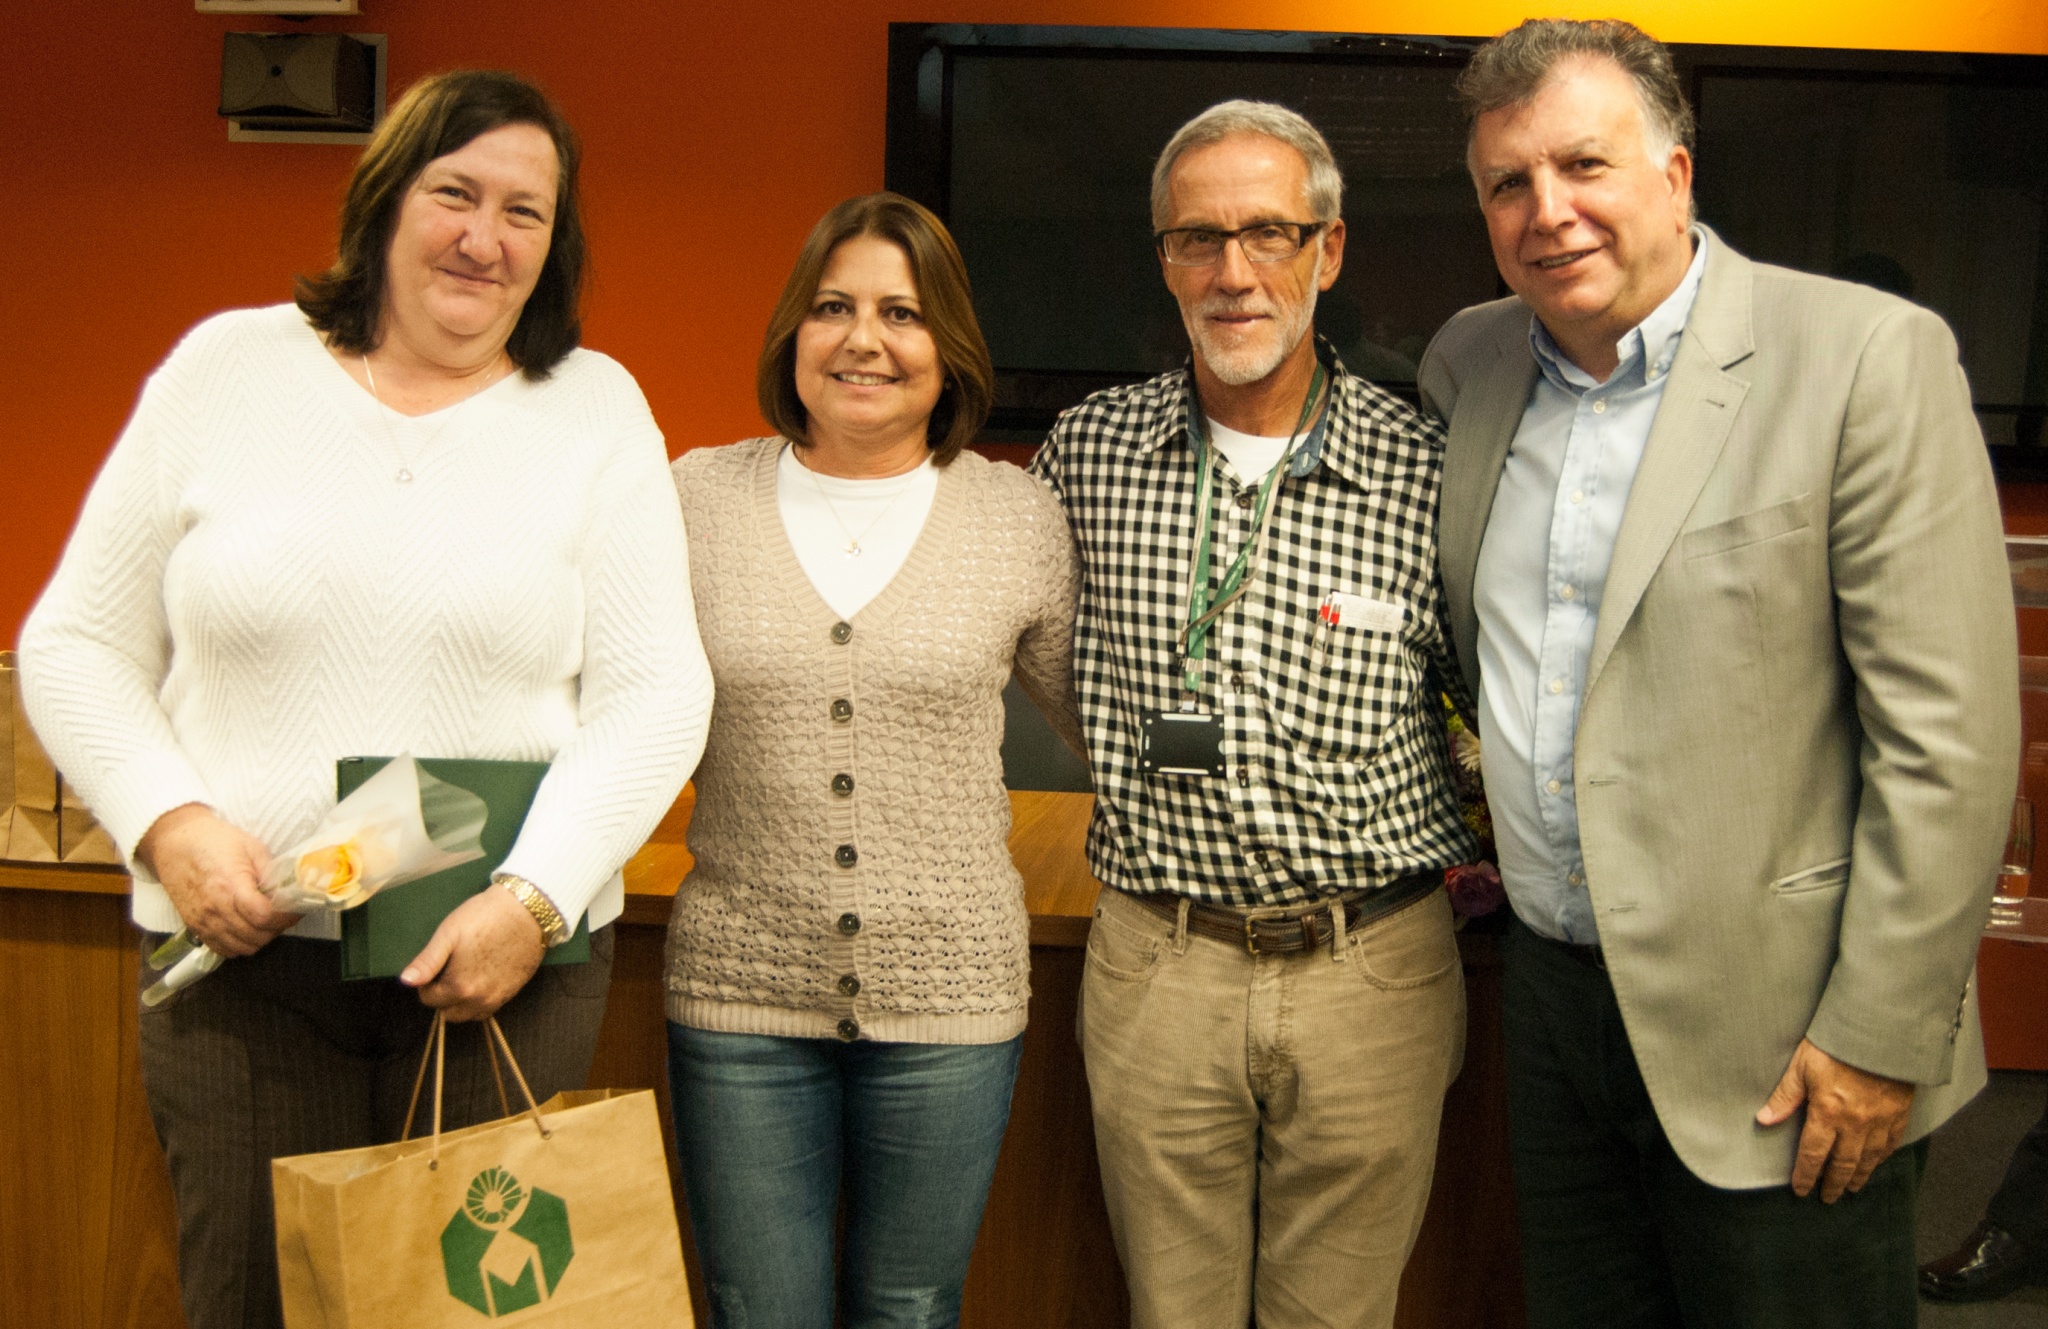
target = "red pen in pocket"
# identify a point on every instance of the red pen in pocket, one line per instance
(1328, 616)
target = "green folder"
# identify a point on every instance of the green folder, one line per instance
(380, 938)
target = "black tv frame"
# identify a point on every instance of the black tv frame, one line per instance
(919, 130)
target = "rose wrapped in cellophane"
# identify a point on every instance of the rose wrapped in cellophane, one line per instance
(400, 825)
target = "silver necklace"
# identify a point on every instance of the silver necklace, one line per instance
(853, 549)
(404, 475)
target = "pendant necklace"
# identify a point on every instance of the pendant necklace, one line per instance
(404, 475)
(853, 549)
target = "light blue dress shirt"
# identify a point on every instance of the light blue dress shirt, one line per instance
(1542, 569)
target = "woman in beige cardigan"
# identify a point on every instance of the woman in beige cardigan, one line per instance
(849, 961)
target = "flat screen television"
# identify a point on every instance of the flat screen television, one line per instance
(1924, 173)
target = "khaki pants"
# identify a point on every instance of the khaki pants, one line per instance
(1267, 1123)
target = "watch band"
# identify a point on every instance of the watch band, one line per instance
(554, 929)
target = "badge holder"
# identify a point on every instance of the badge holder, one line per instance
(1181, 743)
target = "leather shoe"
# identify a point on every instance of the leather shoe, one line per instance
(1990, 1263)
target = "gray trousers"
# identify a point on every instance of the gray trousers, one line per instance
(274, 1055)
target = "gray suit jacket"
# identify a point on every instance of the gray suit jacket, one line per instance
(1799, 736)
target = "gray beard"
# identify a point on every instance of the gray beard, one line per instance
(1247, 364)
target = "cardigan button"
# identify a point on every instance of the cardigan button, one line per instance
(849, 1030)
(842, 633)
(846, 855)
(849, 985)
(842, 710)
(849, 923)
(842, 784)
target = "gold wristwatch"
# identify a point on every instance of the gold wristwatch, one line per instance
(554, 930)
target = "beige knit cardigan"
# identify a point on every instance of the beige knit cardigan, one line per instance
(853, 877)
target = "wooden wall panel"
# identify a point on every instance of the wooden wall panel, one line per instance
(632, 1051)
(2012, 992)
(1044, 1259)
(59, 1108)
(140, 1285)
(1466, 1272)
(87, 1233)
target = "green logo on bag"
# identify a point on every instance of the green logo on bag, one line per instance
(507, 1247)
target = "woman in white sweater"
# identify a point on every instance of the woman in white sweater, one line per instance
(406, 515)
(849, 961)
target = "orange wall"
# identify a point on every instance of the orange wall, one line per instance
(716, 133)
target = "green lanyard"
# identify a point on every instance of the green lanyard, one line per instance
(1202, 611)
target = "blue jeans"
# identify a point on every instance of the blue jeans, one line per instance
(767, 1127)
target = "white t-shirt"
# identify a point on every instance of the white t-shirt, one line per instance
(1250, 455)
(827, 515)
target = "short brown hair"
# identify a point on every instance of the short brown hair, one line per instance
(439, 115)
(942, 293)
(1509, 70)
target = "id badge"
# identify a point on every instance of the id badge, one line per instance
(1181, 743)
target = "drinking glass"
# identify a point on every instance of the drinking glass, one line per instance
(2016, 869)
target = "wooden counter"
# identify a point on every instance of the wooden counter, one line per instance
(87, 1238)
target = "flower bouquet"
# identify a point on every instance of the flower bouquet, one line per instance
(1475, 888)
(400, 825)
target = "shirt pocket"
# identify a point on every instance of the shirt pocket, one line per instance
(1357, 680)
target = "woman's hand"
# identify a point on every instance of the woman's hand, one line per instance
(213, 873)
(479, 957)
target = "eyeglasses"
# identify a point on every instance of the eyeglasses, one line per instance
(1267, 242)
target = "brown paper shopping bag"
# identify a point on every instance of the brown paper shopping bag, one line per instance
(80, 837)
(560, 1216)
(28, 783)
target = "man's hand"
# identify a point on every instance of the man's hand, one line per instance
(213, 873)
(1853, 1120)
(479, 957)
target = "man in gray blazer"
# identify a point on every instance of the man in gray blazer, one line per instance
(1722, 559)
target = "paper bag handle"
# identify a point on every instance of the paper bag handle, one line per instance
(437, 1052)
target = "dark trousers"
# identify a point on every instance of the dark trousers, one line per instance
(2021, 1204)
(274, 1055)
(1617, 1232)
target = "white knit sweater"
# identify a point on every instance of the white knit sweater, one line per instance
(252, 593)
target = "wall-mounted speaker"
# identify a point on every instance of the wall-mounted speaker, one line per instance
(313, 82)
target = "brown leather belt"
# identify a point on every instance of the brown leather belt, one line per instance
(1302, 927)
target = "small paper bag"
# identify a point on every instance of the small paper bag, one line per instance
(80, 837)
(28, 783)
(495, 1222)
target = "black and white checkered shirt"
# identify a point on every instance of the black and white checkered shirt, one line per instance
(1336, 770)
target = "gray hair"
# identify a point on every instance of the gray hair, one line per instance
(1510, 69)
(1325, 184)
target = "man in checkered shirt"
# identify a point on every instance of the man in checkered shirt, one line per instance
(1273, 1005)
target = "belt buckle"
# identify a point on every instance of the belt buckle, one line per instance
(1251, 936)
